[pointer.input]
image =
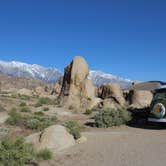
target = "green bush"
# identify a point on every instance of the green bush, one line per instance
(40, 113)
(40, 122)
(23, 97)
(44, 154)
(23, 104)
(33, 123)
(15, 152)
(74, 128)
(45, 109)
(2, 109)
(110, 117)
(37, 122)
(44, 101)
(25, 109)
(14, 118)
(88, 111)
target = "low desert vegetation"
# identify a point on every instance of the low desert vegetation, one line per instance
(2, 109)
(74, 128)
(3, 132)
(34, 122)
(25, 109)
(15, 118)
(24, 97)
(44, 101)
(23, 104)
(40, 113)
(15, 152)
(110, 117)
(44, 154)
(88, 112)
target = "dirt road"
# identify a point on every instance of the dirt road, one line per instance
(123, 146)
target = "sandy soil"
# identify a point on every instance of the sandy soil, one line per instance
(125, 146)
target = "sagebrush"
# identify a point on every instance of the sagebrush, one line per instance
(112, 117)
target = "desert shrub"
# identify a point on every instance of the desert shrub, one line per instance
(37, 122)
(40, 122)
(110, 117)
(15, 118)
(23, 97)
(15, 152)
(88, 111)
(74, 128)
(23, 104)
(2, 109)
(44, 154)
(40, 113)
(45, 109)
(43, 101)
(25, 109)
(33, 123)
(3, 132)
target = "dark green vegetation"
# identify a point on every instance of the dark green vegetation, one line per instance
(44, 101)
(88, 111)
(74, 128)
(110, 117)
(15, 152)
(37, 122)
(25, 109)
(23, 104)
(23, 97)
(44, 154)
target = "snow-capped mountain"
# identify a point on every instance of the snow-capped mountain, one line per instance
(51, 75)
(100, 78)
(19, 69)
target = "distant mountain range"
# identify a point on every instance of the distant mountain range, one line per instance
(100, 78)
(51, 75)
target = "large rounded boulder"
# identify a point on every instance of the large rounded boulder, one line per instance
(56, 138)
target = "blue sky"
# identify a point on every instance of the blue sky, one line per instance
(122, 37)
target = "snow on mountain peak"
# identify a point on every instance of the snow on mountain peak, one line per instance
(50, 75)
(20, 69)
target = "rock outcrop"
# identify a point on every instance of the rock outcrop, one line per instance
(56, 138)
(140, 99)
(56, 89)
(77, 91)
(112, 91)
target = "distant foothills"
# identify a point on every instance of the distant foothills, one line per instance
(52, 75)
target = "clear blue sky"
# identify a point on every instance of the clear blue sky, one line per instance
(122, 37)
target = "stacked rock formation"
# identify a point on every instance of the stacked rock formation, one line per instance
(77, 91)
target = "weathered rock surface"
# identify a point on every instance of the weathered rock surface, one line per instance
(112, 91)
(140, 99)
(56, 138)
(56, 89)
(81, 140)
(77, 91)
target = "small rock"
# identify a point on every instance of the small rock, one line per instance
(81, 140)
